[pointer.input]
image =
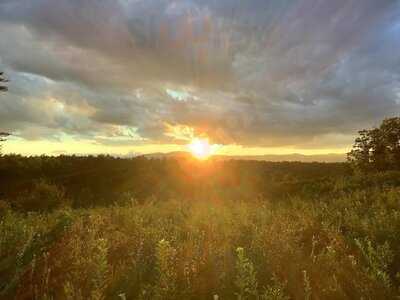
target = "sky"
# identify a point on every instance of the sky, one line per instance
(253, 76)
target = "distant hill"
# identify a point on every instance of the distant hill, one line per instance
(268, 157)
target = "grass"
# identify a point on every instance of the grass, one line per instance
(339, 244)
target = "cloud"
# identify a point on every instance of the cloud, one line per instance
(126, 45)
(304, 73)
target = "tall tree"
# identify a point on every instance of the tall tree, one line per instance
(377, 149)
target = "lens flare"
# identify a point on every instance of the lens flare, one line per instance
(200, 148)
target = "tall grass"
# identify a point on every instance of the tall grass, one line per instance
(342, 244)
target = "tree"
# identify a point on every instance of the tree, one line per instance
(3, 80)
(377, 149)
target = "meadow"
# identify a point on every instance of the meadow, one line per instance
(200, 108)
(107, 228)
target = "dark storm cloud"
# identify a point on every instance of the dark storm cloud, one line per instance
(269, 73)
(106, 42)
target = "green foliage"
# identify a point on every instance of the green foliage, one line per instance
(275, 291)
(377, 149)
(378, 260)
(105, 181)
(333, 238)
(246, 281)
(23, 240)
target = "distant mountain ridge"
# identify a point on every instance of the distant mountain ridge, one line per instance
(333, 157)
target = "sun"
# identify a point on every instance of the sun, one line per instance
(200, 148)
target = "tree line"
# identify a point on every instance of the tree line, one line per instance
(105, 180)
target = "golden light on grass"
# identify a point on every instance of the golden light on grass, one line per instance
(201, 148)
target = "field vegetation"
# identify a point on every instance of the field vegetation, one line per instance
(107, 228)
